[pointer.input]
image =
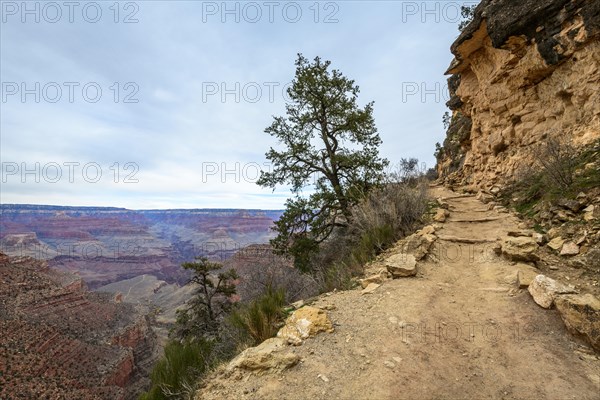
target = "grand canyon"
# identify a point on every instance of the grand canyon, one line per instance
(79, 285)
(107, 245)
(477, 278)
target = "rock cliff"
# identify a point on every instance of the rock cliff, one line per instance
(105, 245)
(61, 341)
(523, 72)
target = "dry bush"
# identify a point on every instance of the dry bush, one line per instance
(558, 160)
(259, 269)
(257, 278)
(396, 205)
(386, 215)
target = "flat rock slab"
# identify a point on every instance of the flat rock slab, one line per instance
(569, 249)
(465, 240)
(525, 275)
(581, 315)
(303, 323)
(380, 277)
(556, 243)
(476, 220)
(544, 290)
(371, 287)
(401, 265)
(520, 249)
(270, 355)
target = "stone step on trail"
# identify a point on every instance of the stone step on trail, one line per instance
(455, 239)
(460, 196)
(469, 211)
(475, 220)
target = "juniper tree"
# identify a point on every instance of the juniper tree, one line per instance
(211, 301)
(329, 145)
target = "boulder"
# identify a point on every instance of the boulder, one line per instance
(591, 212)
(544, 290)
(581, 315)
(520, 249)
(525, 275)
(556, 243)
(417, 245)
(497, 248)
(428, 230)
(484, 197)
(378, 278)
(569, 249)
(442, 203)
(370, 288)
(270, 355)
(401, 265)
(572, 205)
(538, 237)
(303, 323)
(441, 215)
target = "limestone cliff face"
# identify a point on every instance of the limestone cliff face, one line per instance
(523, 71)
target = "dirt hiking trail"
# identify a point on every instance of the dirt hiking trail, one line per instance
(459, 329)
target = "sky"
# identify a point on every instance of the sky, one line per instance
(163, 104)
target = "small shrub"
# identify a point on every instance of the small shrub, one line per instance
(559, 172)
(176, 374)
(260, 319)
(558, 161)
(467, 13)
(386, 215)
(264, 269)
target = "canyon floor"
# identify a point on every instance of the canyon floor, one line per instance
(459, 329)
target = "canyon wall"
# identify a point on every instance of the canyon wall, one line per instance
(61, 341)
(523, 72)
(105, 245)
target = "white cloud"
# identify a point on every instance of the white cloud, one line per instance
(169, 56)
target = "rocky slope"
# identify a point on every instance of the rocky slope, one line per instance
(469, 315)
(105, 245)
(61, 341)
(523, 72)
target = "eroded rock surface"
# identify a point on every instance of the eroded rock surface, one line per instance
(303, 323)
(581, 314)
(544, 290)
(61, 341)
(523, 71)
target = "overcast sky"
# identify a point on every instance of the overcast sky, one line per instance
(163, 104)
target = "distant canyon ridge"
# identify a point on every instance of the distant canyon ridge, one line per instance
(104, 245)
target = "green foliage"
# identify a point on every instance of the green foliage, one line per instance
(372, 242)
(589, 178)
(329, 143)
(198, 335)
(210, 303)
(384, 216)
(446, 119)
(176, 374)
(439, 151)
(467, 13)
(260, 319)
